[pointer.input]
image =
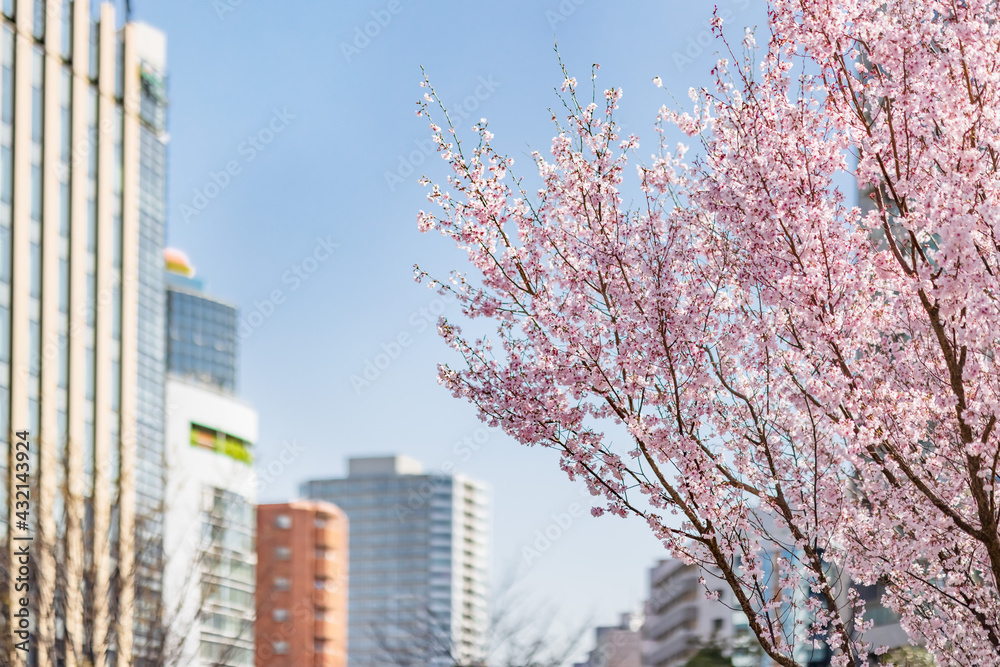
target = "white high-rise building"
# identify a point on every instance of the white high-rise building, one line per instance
(419, 560)
(210, 522)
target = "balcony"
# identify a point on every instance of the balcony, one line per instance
(665, 570)
(322, 599)
(325, 630)
(326, 538)
(656, 627)
(328, 569)
(666, 595)
(677, 647)
(330, 658)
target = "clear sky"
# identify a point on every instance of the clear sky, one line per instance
(314, 121)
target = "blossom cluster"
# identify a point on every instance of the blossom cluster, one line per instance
(810, 387)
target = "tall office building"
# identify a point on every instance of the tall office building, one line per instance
(82, 187)
(302, 563)
(418, 562)
(209, 523)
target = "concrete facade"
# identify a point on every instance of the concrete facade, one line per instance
(617, 645)
(209, 528)
(679, 619)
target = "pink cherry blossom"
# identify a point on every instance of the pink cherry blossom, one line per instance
(798, 393)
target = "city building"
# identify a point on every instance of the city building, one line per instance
(419, 560)
(617, 645)
(82, 200)
(680, 620)
(209, 523)
(201, 331)
(302, 575)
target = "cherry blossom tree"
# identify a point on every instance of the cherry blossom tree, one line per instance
(808, 390)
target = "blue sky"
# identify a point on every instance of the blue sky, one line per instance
(293, 131)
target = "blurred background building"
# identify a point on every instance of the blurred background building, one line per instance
(82, 201)
(617, 645)
(419, 558)
(302, 575)
(201, 330)
(209, 523)
(679, 619)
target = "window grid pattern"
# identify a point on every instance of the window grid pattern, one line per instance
(404, 558)
(6, 219)
(201, 344)
(80, 154)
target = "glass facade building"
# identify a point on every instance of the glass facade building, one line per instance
(201, 341)
(82, 196)
(150, 394)
(418, 561)
(210, 523)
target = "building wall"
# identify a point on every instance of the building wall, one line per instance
(419, 561)
(302, 585)
(72, 330)
(617, 646)
(679, 619)
(201, 342)
(679, 616)
(209, 529)
(150, 353)
(470, 567)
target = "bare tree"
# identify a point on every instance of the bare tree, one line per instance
(520, 633)
(170, 624)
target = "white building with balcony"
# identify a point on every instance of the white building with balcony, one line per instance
(679, 619)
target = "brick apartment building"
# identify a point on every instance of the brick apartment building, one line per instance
(302, 563)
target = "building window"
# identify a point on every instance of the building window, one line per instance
(283, 521)
(282, 584)
(224, 443)
(716, 626)
(280, 615)
(283, 553)
(281, 648)
(320, 522)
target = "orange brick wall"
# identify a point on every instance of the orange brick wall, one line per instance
(317, 540)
